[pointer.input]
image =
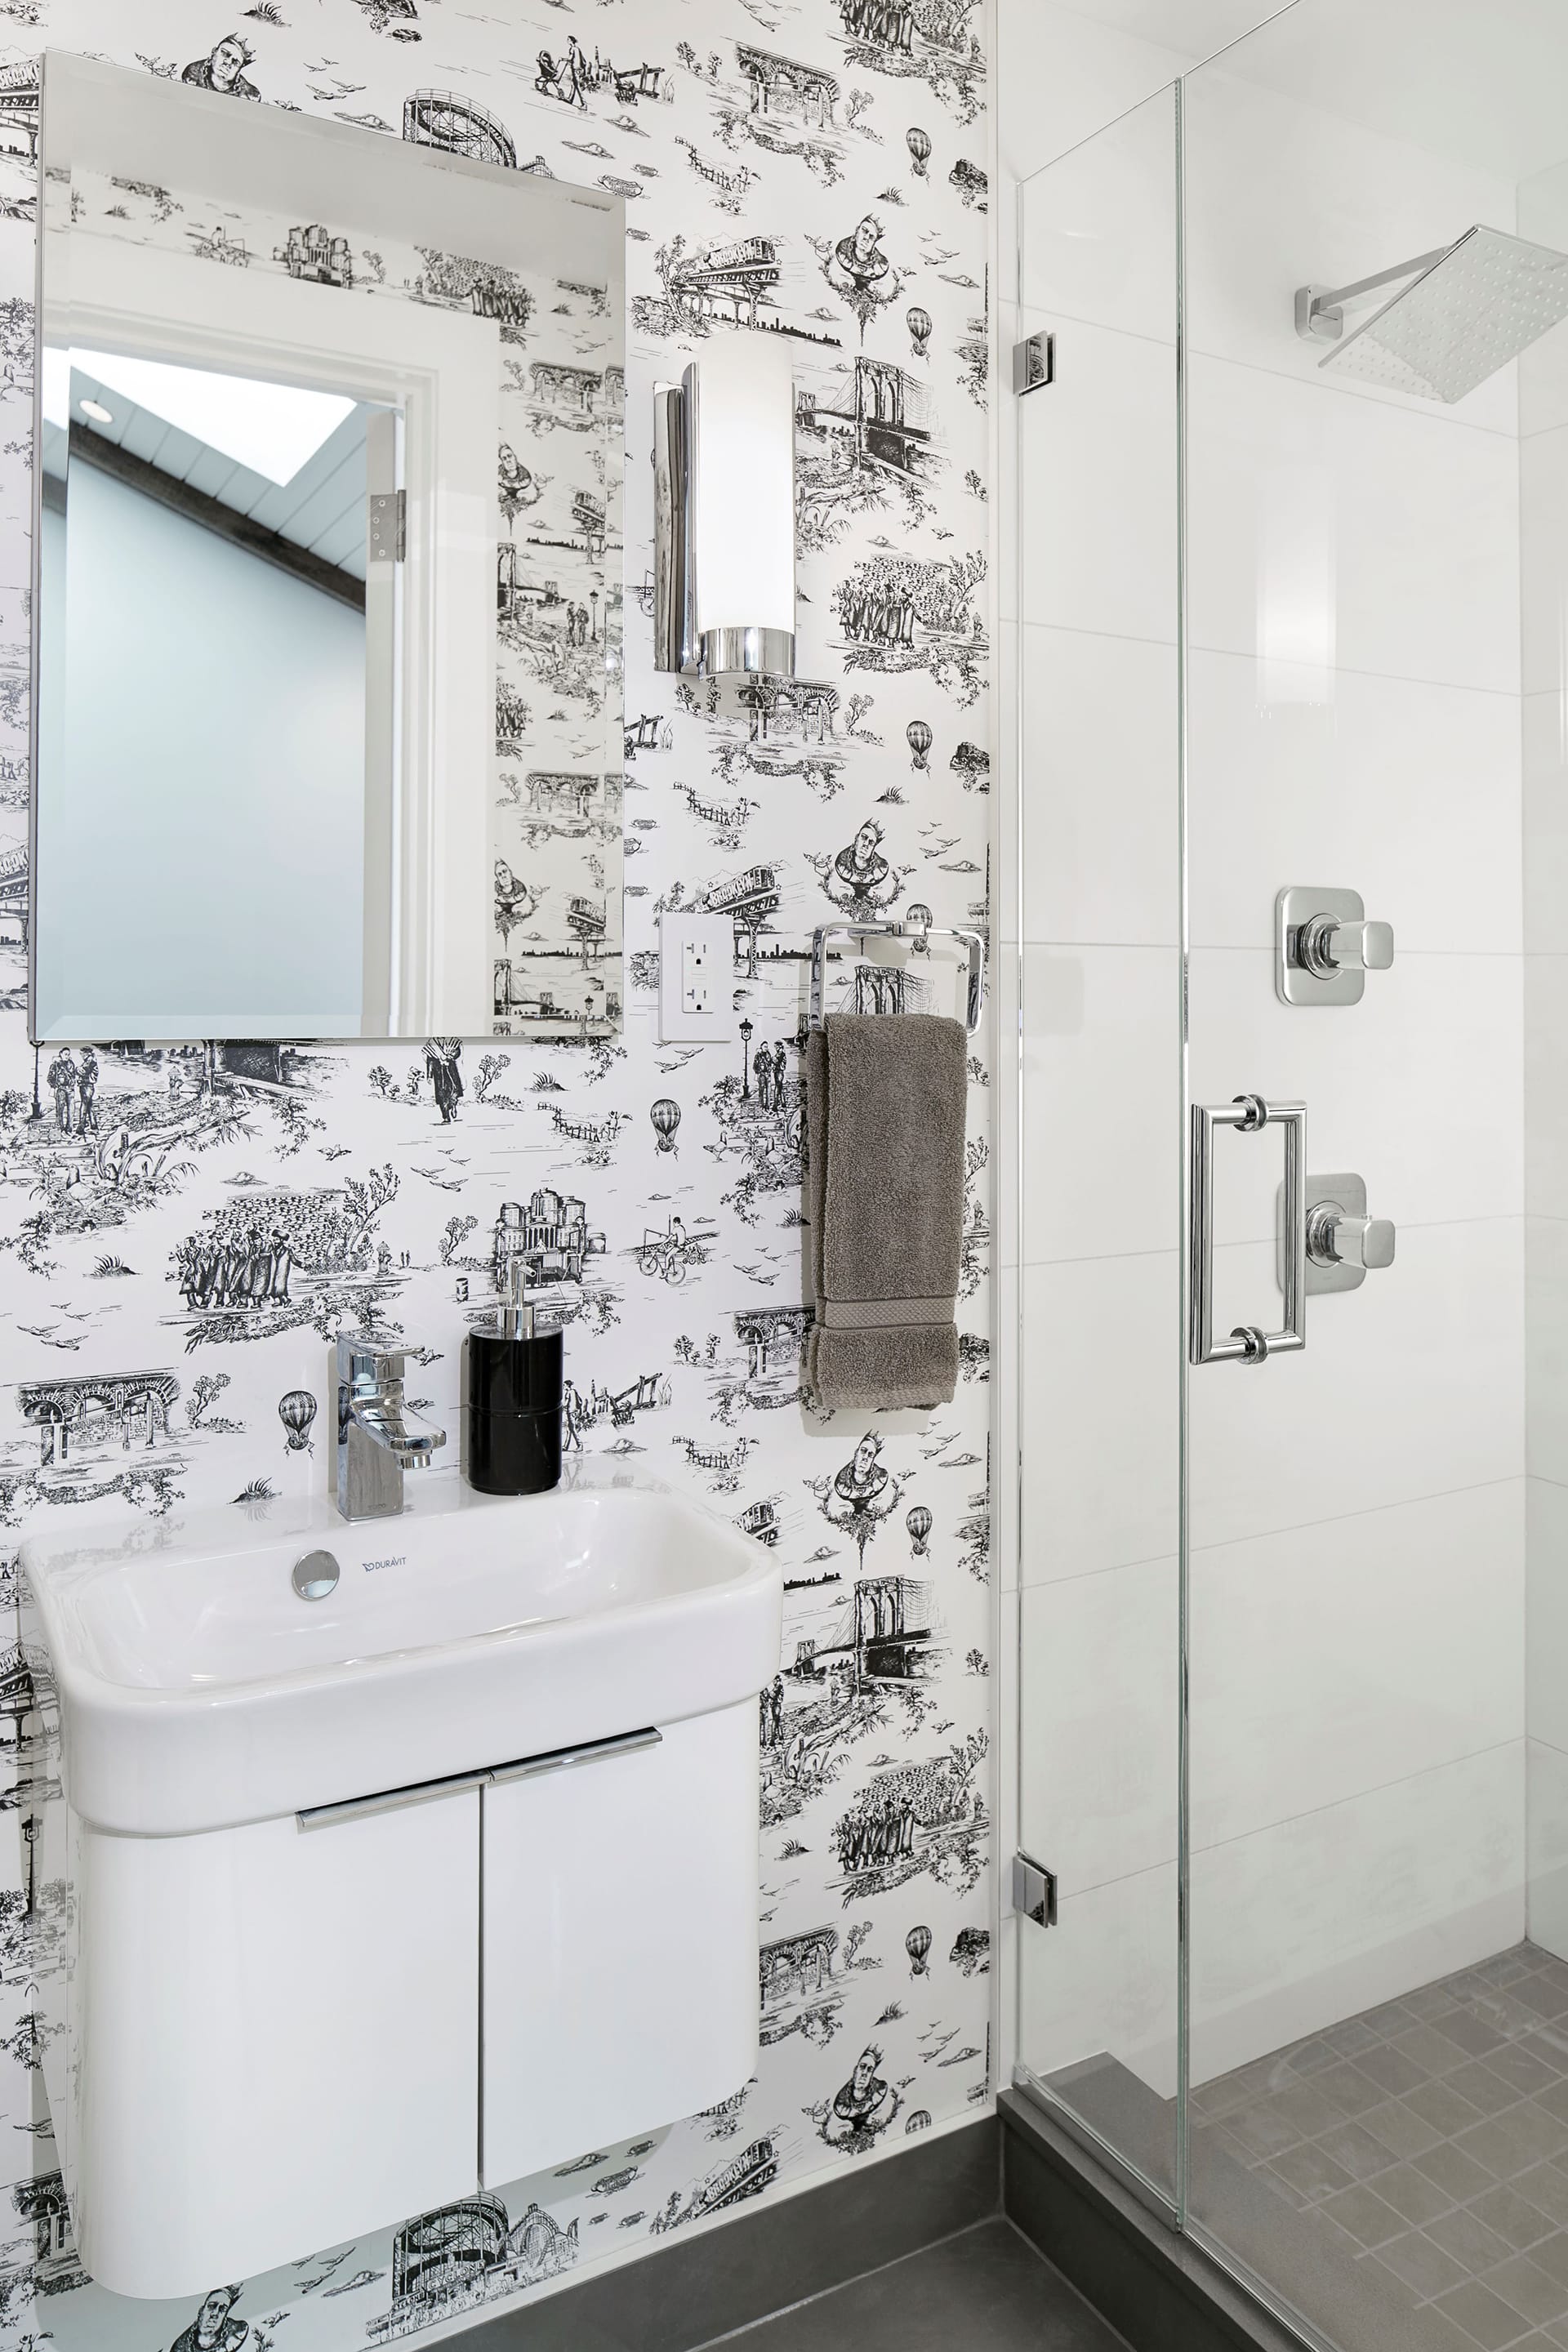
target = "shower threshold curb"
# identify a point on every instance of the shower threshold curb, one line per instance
(1157, 2287)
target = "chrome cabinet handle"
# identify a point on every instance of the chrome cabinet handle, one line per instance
(1249, 1343)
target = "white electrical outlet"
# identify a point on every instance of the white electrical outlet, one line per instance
(696, 994)
(696, 979)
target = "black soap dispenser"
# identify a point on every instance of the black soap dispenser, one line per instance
(511, 1399)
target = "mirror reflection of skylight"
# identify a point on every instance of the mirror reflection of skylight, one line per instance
(273, 428)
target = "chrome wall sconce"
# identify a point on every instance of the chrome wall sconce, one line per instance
(724, 512)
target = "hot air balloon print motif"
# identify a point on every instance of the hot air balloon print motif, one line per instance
(917, 1943)
(918, 737)
(919, 1525)
(666, 1117)
(917, 142)
(918, 321)
(297, 1411)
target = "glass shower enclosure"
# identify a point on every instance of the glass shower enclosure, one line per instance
(1289, 926)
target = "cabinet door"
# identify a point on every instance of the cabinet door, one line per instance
(620, 1943)
(280, 2039)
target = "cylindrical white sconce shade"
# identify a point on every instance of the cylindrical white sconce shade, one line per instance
(725, 510)
(741, 408)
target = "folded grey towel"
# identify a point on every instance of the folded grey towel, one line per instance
(885, 1098)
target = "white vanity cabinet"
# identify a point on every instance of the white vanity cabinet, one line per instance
(620, 1942)
(274, 2037)
(435, 1875)
(269, 2038)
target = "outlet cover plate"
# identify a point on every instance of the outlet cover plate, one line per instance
(710, 942)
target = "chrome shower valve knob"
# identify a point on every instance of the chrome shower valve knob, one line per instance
(1335, 1239)
(1324, 946)
(1344, 1244)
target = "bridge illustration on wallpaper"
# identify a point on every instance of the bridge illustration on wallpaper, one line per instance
(14, 889)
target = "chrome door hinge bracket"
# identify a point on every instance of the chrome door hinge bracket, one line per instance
(388, 541)
(1034, 364)
(1034, 1891)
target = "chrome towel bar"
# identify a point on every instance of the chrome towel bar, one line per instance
(921, 932)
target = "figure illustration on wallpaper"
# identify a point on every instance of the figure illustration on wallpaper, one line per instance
(927, 1819)
(213, 2330)
(859, 272)
(860, 2109)
(517, 490)
(902, 613)
(63, 1080)
(87, 1093)
(860, 880)
(223, 68)
(886, 24)
(251, 1272)
(515, 902)
(562, 77)
(915, 38)
(442, 1058)
(862, 1495)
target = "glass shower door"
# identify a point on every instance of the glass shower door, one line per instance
(1095, 924)
(1377, 2086)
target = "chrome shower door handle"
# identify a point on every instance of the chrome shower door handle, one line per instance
(1249, 1343)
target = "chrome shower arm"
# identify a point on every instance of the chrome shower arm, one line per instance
(1320, 309)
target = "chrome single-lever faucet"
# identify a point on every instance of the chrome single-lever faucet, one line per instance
(376, 1441)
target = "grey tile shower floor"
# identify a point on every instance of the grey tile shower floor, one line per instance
(1427, 2138)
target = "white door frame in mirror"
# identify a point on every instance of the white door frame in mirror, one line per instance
(173, 307)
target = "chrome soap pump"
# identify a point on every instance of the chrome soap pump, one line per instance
(512, 1384)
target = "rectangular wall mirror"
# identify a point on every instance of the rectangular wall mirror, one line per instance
(327, 729)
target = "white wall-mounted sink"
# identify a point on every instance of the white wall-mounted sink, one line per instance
(197, 1690)
(467, 1846)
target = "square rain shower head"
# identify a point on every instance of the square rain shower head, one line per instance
(1472, 309)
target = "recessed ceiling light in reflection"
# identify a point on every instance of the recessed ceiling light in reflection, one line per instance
(272, 428)
(96, 411)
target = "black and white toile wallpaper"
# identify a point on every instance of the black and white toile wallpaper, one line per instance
(183, 1231)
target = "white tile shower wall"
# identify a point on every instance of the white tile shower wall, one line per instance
(1543, 513)
(792, 139)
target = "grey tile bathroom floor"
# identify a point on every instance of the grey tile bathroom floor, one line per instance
(1430, 2138)
(986, 2290)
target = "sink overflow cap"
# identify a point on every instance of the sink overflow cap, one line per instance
(315, 1575)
